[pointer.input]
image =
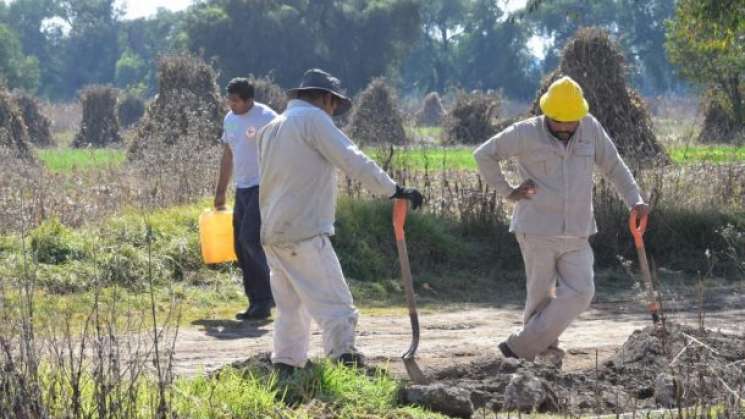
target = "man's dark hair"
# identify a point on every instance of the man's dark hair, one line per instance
(311, 95)
(242, 87)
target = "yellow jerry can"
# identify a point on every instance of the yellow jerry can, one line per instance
(216, 236)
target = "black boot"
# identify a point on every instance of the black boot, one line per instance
(506, 351)
(352, 359)
(284, 371)
(258, 311)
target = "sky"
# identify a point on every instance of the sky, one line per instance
(143, 8)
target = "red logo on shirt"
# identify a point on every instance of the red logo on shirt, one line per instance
(251, 132)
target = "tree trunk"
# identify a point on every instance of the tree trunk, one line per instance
(735, 94)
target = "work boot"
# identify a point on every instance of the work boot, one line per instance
(552, 356)
(352, 360)
(284, 371)
(258, 311)
(506, 351)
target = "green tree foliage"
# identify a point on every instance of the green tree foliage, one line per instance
(39, 39)
(493, 54)
(149, 38)
(354, 39)
(91, 48)
(638, 25)
(470, 43)
(705, 41)
(16, 69)
(131, 70)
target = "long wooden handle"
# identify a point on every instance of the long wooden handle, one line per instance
(638, 227)
(400, 207)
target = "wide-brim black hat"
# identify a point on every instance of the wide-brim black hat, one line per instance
(316, 79)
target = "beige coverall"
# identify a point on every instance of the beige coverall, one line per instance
(553, 227)
(299, 153)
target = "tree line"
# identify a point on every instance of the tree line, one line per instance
(55, 47)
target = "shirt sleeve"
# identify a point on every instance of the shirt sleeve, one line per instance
(490, 154)
(337, 148)
(614, 169)
(224, 135)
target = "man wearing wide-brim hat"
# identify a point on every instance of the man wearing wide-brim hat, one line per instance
(556, 154)
(299, 154)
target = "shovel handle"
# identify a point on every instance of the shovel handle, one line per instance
(638, 227)
(400, 208)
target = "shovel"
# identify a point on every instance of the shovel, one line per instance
(400, 207)
(637, 230)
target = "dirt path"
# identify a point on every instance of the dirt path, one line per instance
(448, 337)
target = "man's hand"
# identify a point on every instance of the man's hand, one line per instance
(641, 209)
(411, 194)
(526, 190)
(220, 201)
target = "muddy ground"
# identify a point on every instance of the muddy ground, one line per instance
(613, 363)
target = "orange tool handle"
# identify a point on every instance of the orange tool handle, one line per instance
(400, 208)
(637, 230)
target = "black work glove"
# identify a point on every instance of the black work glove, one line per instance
(411, 194)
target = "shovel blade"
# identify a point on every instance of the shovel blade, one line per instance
(415, 373)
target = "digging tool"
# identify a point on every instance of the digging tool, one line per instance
(637, 231)
(400, 207)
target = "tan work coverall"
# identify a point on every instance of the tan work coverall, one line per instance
(299, 153)
(553, 227)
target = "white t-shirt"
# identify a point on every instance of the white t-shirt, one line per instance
(239, 131)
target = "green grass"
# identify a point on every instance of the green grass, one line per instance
(65, 160)
(461, 157)
(714, 154)
(433, 158)
(250, 391)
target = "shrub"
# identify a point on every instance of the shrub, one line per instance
(376, 118)
(100, 125)
(473, 118)
(130, 110)
(37, 124)
(432, 112)
(14, 138)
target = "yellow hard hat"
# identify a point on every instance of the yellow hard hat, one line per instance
(564, 101)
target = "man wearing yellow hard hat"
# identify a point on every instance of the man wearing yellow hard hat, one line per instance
(553, 218)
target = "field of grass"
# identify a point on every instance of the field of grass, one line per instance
(252, 390)
(461, 157)
(63, 160)
(714, 154)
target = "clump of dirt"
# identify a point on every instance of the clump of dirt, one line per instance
(682, 367)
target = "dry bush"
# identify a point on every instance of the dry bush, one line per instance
(595, 61)
(130, 110)
(719, 124)
(65, 117)
(269, 93)
(432, 112)
(13, 134)
(473, 118)
(167, 176)
(188, 104)
(376, 118)
(37, 123)
(100, 126)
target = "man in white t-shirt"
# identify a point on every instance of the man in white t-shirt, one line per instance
(240, 158)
